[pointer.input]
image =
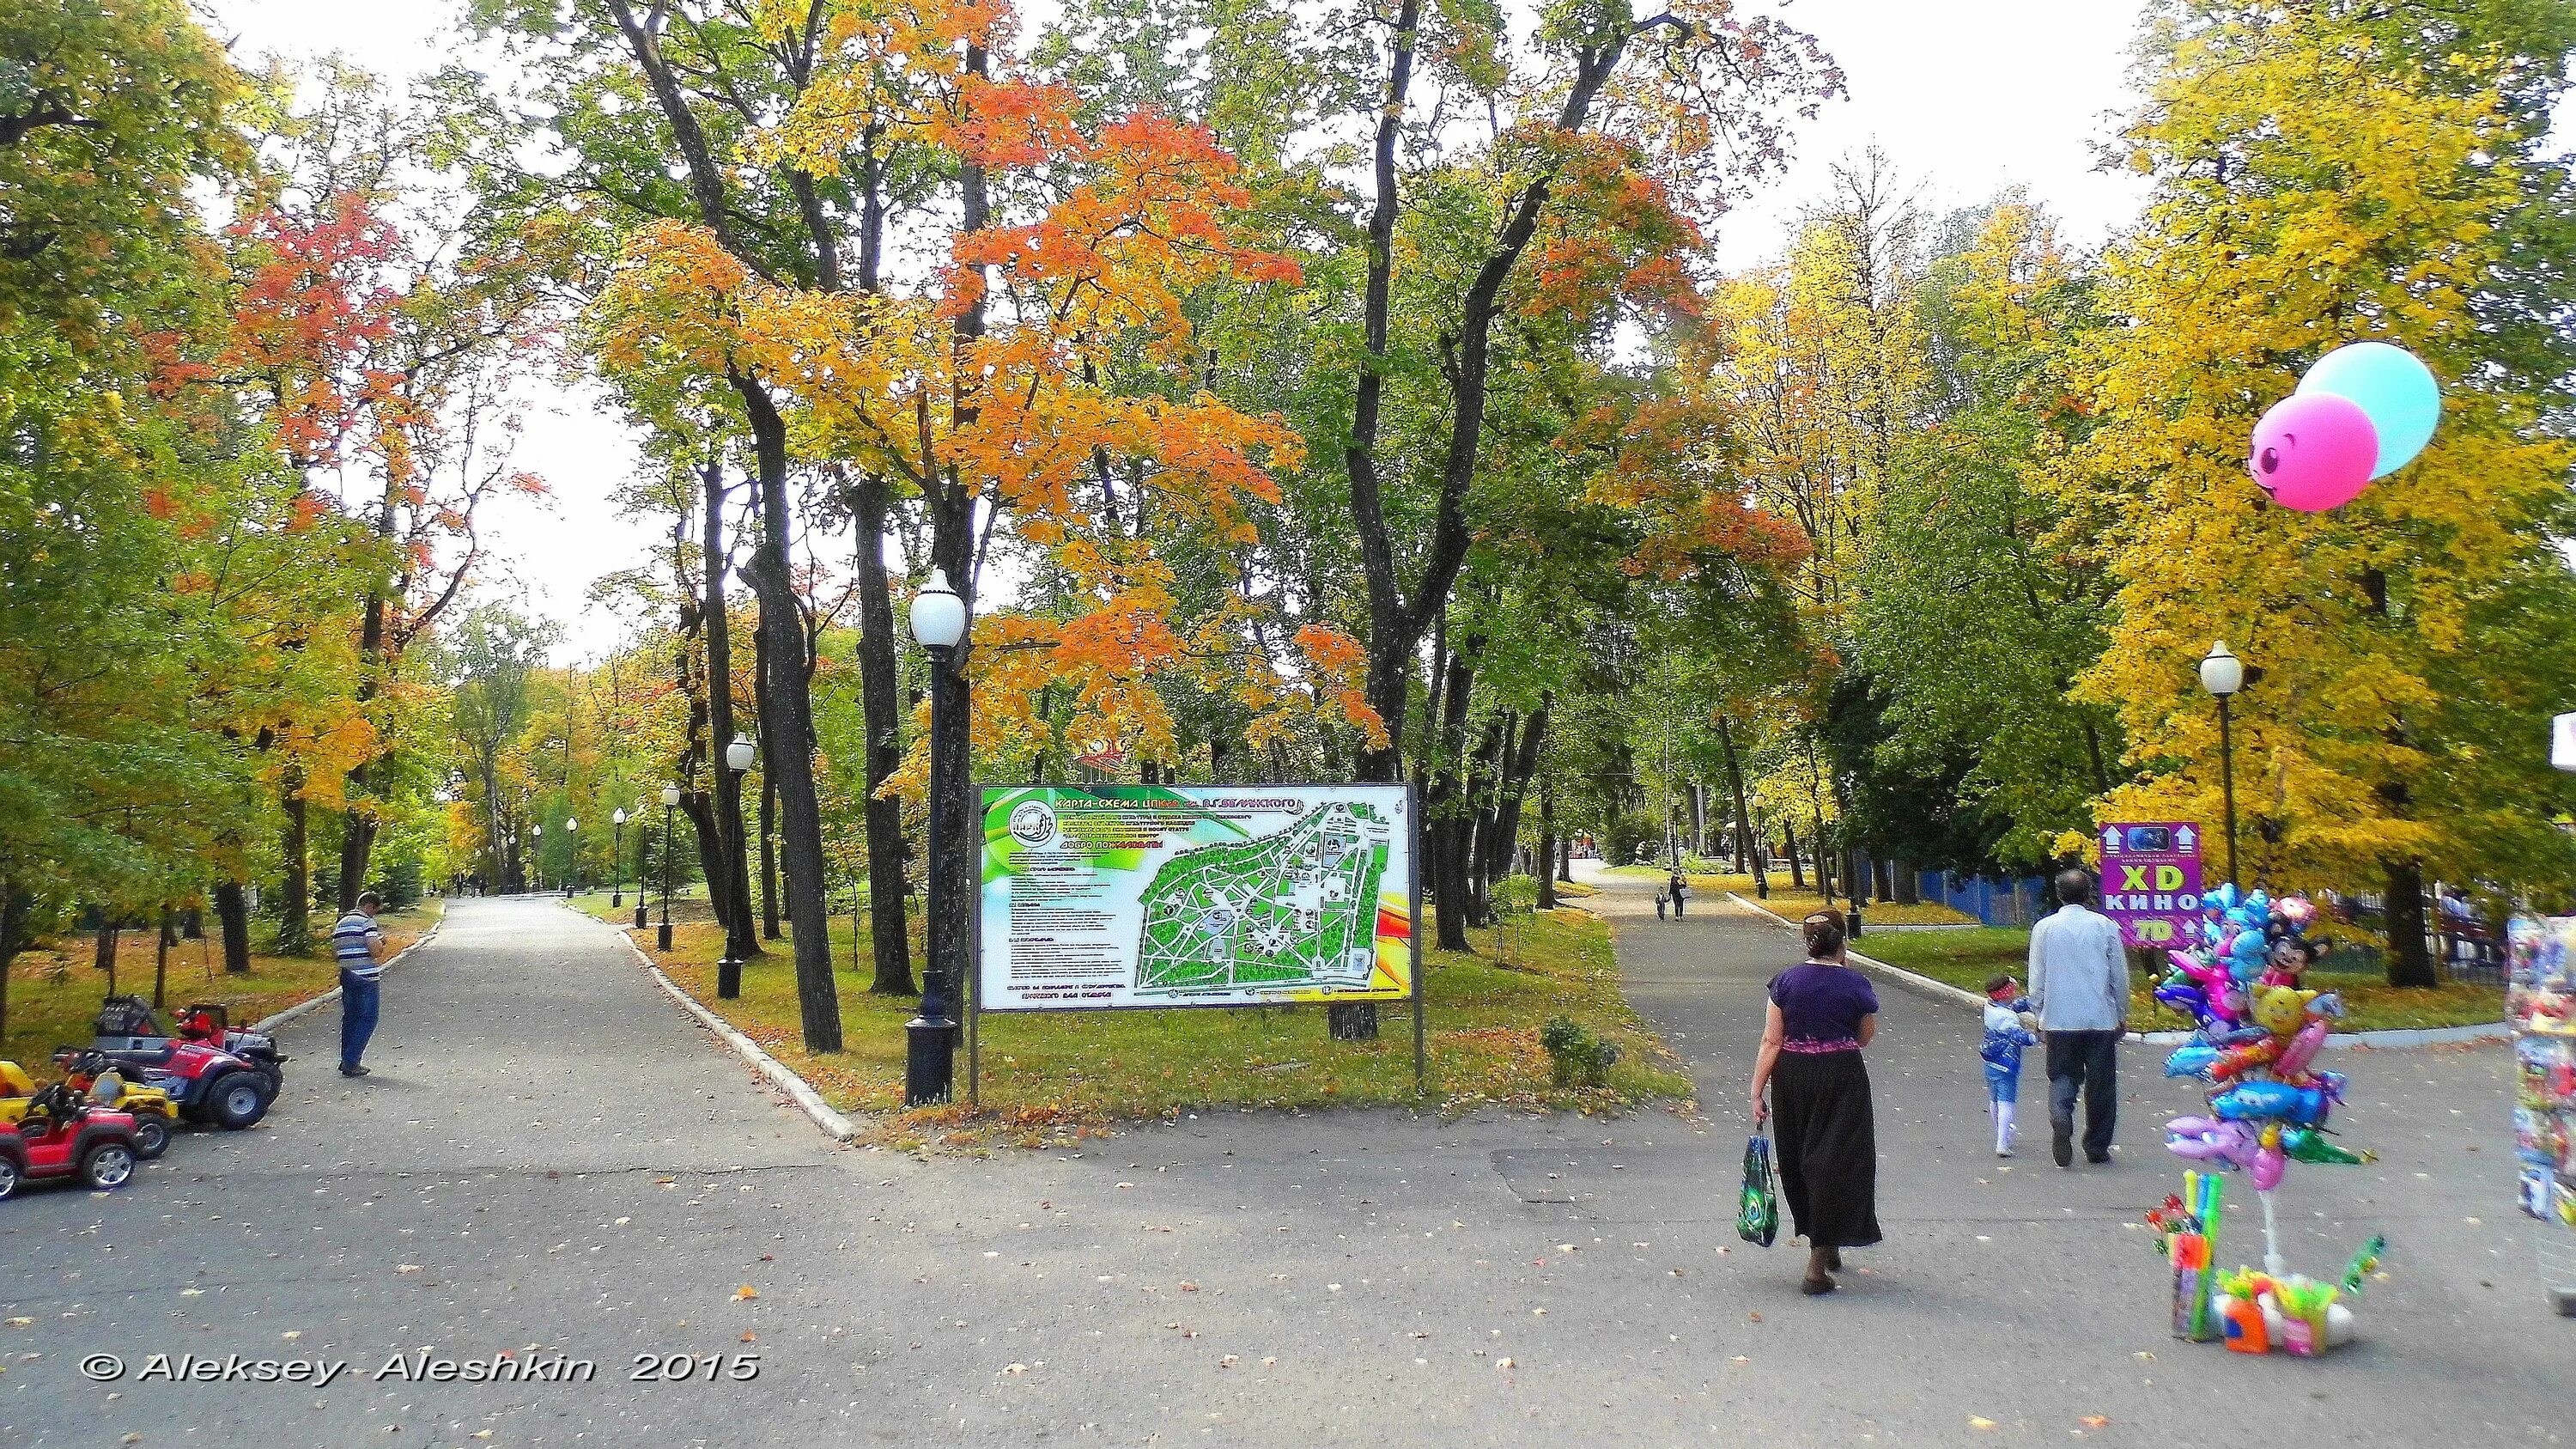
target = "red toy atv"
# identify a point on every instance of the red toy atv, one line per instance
(209, 1083)
(126, 1023)
(64, 1137)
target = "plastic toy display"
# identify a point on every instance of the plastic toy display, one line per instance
(63, 1137)
(2540, 1003)
(2259, 1034)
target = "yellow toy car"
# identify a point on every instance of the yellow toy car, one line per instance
(88, 1073)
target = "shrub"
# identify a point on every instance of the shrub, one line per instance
(1576, 1057)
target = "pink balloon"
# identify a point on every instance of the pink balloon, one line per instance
(2303, 1048)
(2313, 451)
(2268, 1166)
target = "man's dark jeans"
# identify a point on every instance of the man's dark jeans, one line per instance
(358, 1016)
(2088, 1061)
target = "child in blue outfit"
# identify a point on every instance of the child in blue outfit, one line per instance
(2008, 1031)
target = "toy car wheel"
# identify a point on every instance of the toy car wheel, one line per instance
(8, 1176)
(151, 1136)
(238, 1099)
(107, 1166)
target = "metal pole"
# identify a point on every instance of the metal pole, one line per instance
(616, 864)
(1413, 930)
(665, 938)
(2227, 783)
(930, 1039)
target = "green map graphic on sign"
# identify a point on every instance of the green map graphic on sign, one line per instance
(1295, 908)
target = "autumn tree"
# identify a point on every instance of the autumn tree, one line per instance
(2325, 174)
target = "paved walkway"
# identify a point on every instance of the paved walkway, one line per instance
(550, 1161)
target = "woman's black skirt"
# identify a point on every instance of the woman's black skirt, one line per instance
(1828, 1147)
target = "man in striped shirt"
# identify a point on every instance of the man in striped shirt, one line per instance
(359, 943)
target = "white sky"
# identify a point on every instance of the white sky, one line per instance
(1966, 98)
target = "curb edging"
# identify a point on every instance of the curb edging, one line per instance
(267, 1026)
(2405, 1036)
(800, 1092)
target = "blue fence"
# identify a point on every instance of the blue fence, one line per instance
(1995, 902)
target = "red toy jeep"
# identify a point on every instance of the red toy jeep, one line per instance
(65, 1137)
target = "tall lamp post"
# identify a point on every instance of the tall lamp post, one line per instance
(938, 619)
(572, 852)
(537, 857)
(737, 758)
(617, 858)
(670, 797)
(2222, 674)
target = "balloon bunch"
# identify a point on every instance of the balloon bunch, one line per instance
(2248, 944)
(2362, 412)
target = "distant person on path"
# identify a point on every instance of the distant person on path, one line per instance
(1660, 900)
(1681, 892)
(2007, 1034)
(2079, 987)
(1822, 1013)
(360, 944)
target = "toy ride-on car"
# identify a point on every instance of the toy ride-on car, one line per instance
(126, 1023)
(208, 1083)
(62, 1136)
(87, 1070)
(153, 1111)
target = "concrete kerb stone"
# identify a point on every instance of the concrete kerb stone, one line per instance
(2393, 1037)
(797, 1090)
(268, 1026)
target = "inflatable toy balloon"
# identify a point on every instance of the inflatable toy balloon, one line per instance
(2298, 911)
(2268, 1166)
(2327, 1004)
(2223, 895)
(2303, 1047)
(2307, 1144)
(2237, 1061)
(2237, 1143)
(2190, 1061)
(2394, 390)
(2259, 1101)
(2313, 451)
(2280, 1009)
(2332, 1084)
(2196, 1146)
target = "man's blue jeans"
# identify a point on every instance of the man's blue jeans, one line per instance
(357, 1016)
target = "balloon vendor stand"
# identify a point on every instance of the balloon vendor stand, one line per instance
(2540, 1003)
(2259, 1032)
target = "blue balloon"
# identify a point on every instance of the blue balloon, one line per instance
(2257, 1100)
(2190, 1061)
(2388, 383)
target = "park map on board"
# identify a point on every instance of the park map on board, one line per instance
(1115, 895)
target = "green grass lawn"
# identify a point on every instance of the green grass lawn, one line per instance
(1052, 1076)
(54, 991)
(1968, 958)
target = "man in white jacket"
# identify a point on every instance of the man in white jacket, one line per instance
(2079, 986)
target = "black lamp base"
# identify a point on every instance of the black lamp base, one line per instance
(729, 977)
(664, 943)
(642, 912)
(929, 1061)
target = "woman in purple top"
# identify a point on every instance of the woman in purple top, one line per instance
(1822, 1013)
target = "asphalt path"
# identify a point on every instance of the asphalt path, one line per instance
(552, 1163)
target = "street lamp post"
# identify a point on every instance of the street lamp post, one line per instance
(737, 758)
(537, 857)
(617, 859)
(2222, 674)
(938, 619)
(572, 853)
(670, 797)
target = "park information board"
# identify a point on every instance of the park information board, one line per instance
(2151, 882)
(1194, 895)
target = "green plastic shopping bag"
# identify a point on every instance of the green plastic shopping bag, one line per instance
(1757, 1208)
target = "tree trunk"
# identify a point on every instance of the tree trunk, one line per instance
(730, 882)
(787, 719)
(1516, 782)
(169, 937)
(14, 906)
(1747, 856)
(1547, 843)
(700, 808)
(1442, 808)
(1565, 861)
(768, 856)
(1797, 874)
(1908, 882)
(2409, 963)
(358, 822)
(889, 938)
(295, 898)
(109, 931)
(232, 915)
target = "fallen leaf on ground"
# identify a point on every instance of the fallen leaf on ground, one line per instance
(2095, 1421)
(1976, 1423)
(745, 1292)
(406, 1267)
